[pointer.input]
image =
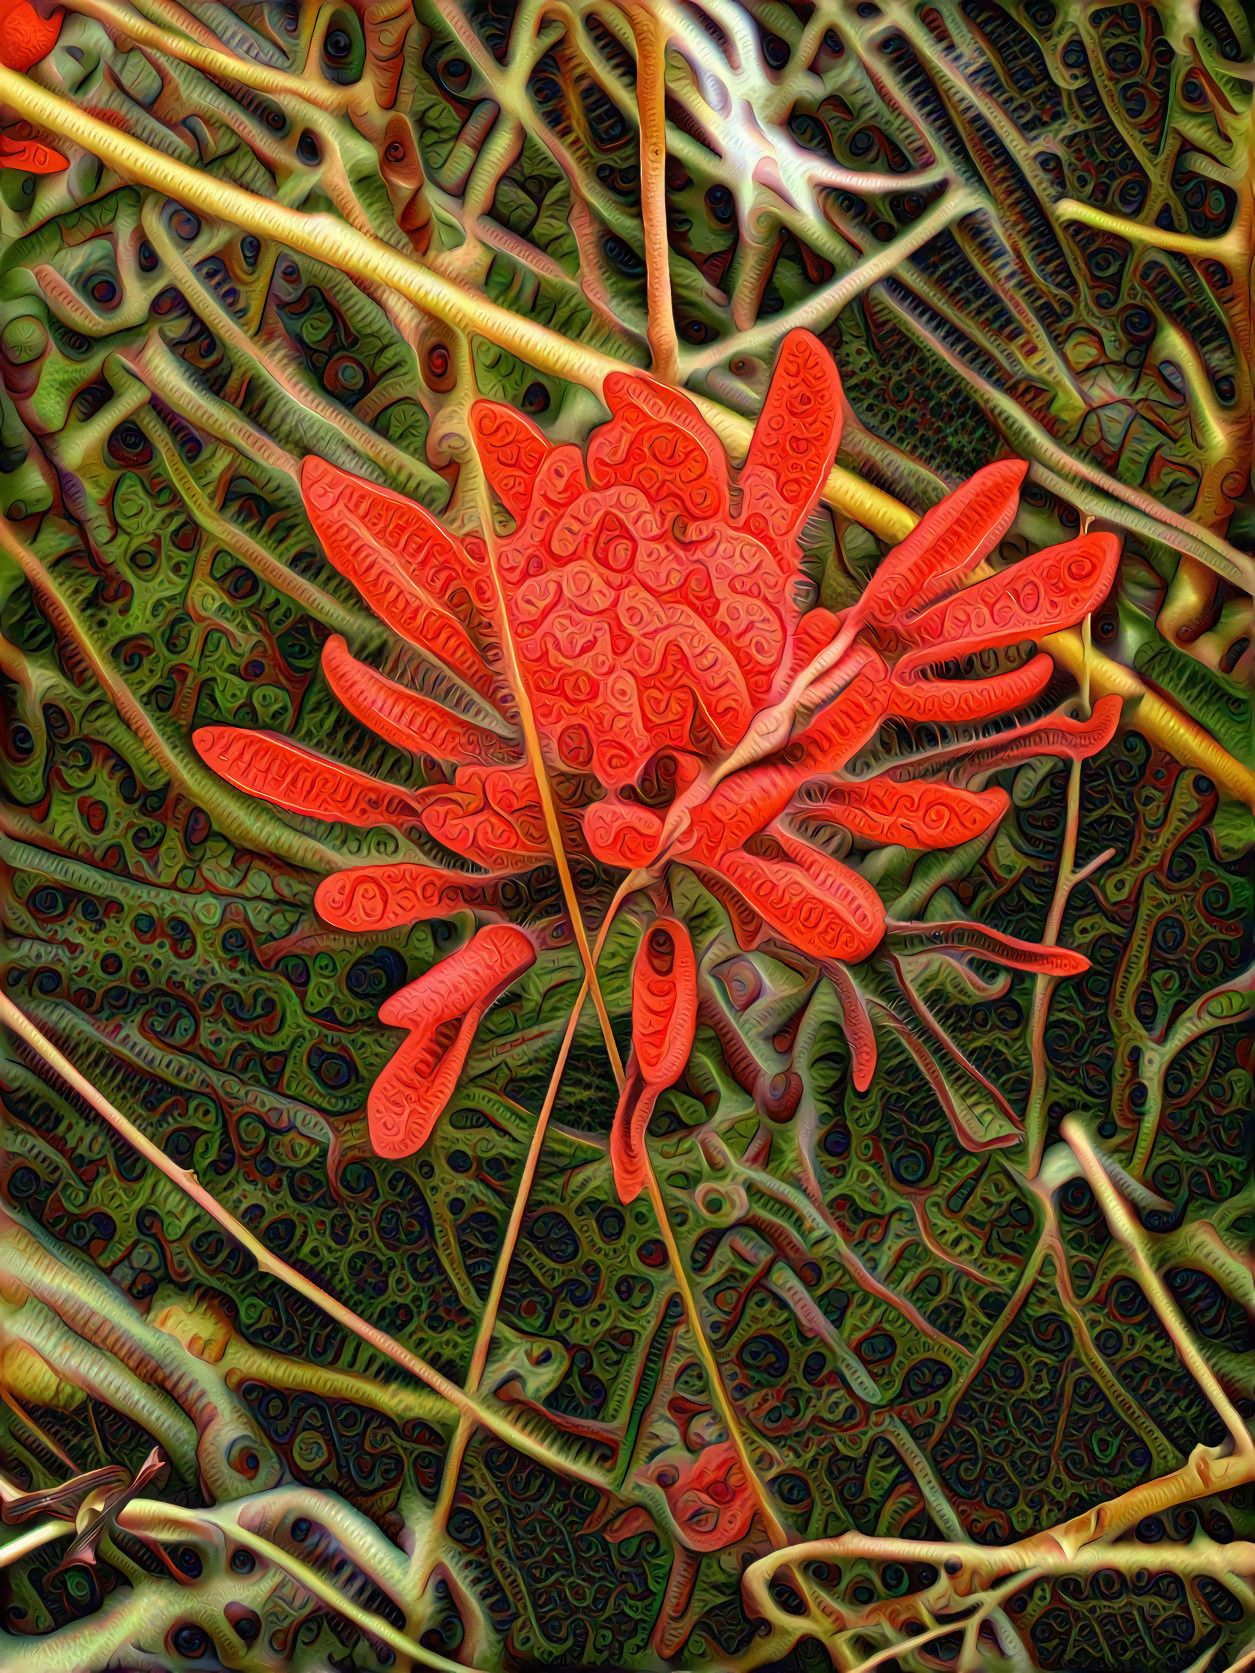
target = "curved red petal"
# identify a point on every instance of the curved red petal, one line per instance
(1051, 589)
(947, 542)
(964, 700)
(512, 451)
(923, 813)
(370, 899)
(25, 37)
(826, 910)
(981, 942)
(408, 1097)
(270, 766)
(628, 1160)
(794, 441)
(658, 441)
(664, 1002)
(407, 718)
(414, 575)
(28, 154)
(492, 816)
(622, 834)
(1072, 740)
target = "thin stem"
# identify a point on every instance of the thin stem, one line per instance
(466, 1404)
(651, 67)
(43, 1533)
(487, 1323)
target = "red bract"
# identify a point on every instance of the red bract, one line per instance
(650, 604)
(664, 1020)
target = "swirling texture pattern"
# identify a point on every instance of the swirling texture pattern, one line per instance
(442, 665)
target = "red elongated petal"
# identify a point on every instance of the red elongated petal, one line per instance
(859, 1034)
(664, 1002)
(1051, 589)
(622, 833)
(991, 944)
(960, 700)
(744, 804)
(25, 37)
(406, 718)
(1073, 740)
(470, 978)
(923, 813)
(492, 815)
(410, 570)
(948, 542)
(512, 451)
(817, 628)
(628, 1160)
(842, 727)
(794, 441)
(664, 1020)
(29, 154)
(370, 899)
(658, 441)
(270, 766)
(826, 910)
(408, 1097)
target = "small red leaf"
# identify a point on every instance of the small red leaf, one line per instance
(978, 941)
(664, 1020)
(945, 545)
(409, 569)
(826, 910)
(711, 1502)
(405, 717)
(492, 815)
(1072, 740)
(512, 451)
(407, 1099)
(25, 37)
(370, 899)
(658, 441)
(28, 154)
(623, 834)
(794, 441)
(1051, 589)
(968, 700)
(270, 766)
(920, 814)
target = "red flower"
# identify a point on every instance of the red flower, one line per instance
(649, 607)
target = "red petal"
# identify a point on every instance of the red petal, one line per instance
(270, 766)
(410, 570)
(622, 834)
(628, 1160)
(664, 1002)
(965, 700)
(664, 1020)
(370, 899)
(921, 814)
(842, 727)
(794, 441)
(979, 942)
(406, 1101)
(25, 37)
(405, 717)
(823, 908)
(1042, 593)
(493, 816)
(658, 441)
(817, 628)
(28, 154)
(948, 542)
(1073, 740)
(512, 451)
(744, 804)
